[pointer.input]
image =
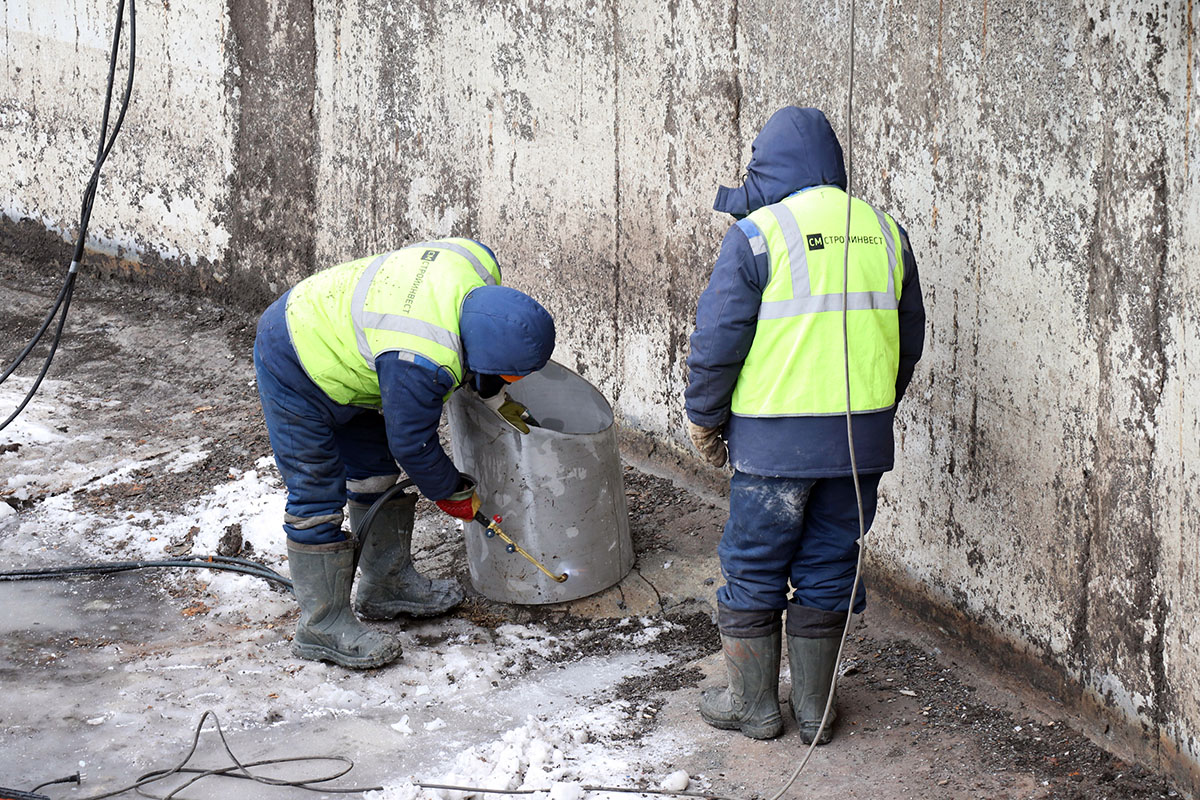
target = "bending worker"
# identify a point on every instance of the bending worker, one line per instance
(766, 375)
(354, 364)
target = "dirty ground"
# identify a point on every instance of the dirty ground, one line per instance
(146, 441)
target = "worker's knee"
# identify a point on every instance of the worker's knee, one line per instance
(827, 586)
(760, 539)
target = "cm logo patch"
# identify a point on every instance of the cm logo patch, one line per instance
(816, 241)
(429, 255)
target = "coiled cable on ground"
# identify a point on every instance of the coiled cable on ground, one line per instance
(63, 301)
(241, 770)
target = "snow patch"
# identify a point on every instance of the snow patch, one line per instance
(537, 755)
(458, 695)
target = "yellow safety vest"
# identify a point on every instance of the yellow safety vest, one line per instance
(409, 301)
(795, 366)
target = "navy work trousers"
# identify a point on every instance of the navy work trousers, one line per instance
(803, 530)
(318, 444)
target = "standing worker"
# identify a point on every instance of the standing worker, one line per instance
(767, 376)
(354, 364)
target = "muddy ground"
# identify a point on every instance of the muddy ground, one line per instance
(143, 372)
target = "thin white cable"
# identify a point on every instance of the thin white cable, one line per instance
(862, 525)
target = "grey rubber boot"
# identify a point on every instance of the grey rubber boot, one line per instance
(750, 704)
(812, 662)
(389, 585)
(328, 630)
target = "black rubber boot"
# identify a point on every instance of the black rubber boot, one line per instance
(751, 702)
(388, 584)
(813, 662)
(328, 630)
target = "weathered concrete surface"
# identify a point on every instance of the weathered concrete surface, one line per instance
(493, 120)
(164, 194)
(272, 200)
(1048, 485)
(1039, 155)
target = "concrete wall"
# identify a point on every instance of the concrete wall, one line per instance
(164, 198)
(1049, 485)
(1039, 155)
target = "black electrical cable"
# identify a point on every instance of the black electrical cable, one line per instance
(37, 336)
(76, 778)
(585, 787)
(216, 563)
(237, 770)
(63, 301)
(364, 527)
(241, 771)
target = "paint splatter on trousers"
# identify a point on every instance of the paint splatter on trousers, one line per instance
(802, 530)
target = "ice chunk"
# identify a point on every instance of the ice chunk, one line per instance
(566, 791)
(677, 781)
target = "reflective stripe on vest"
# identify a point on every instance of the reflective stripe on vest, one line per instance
(795, 366)
(341, 319)
(803, 301)
(399, 323)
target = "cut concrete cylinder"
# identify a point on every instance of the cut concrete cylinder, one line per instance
(558, 488)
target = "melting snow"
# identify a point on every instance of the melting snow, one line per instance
(495, 708)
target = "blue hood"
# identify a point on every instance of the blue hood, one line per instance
(796, 149)
(505, 332)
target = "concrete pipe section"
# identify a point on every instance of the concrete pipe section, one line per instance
(559, 490)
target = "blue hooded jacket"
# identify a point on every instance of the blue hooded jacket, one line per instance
(503, 331)
(796, 150)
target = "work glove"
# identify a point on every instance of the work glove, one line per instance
(709, 443)
(463, 504)
(508, 410)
